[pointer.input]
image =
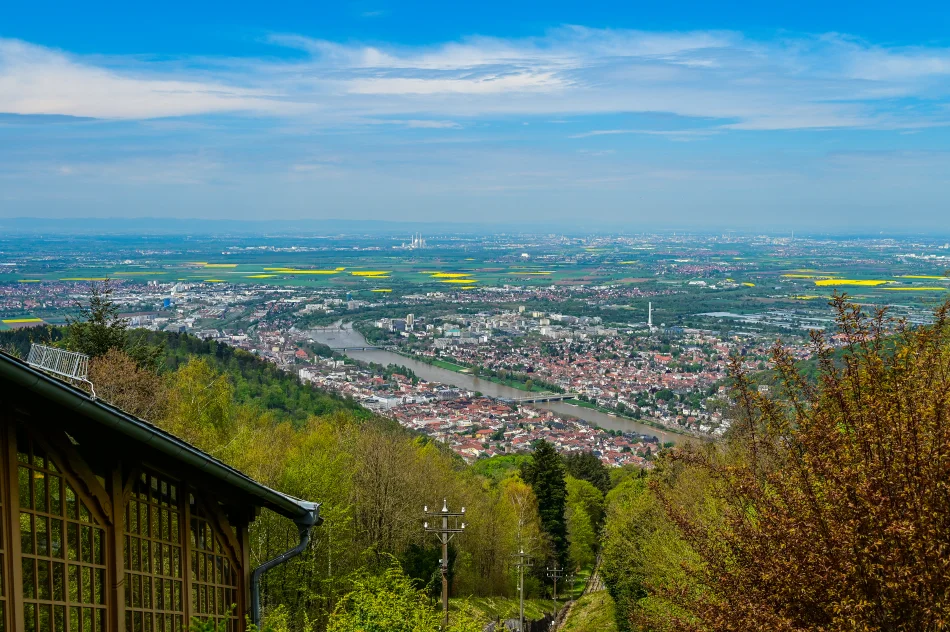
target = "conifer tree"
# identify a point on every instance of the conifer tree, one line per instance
(545, 473)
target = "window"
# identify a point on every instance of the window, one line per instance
(154, 579)
(214, 578)
(63, 549)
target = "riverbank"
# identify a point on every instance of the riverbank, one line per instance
(346, 336)
(577, 403)
(468, 370)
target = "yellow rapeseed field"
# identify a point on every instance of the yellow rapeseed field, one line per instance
(449, 275)
(859, 282)
(300, 271)
(916, 289)
(14, 321)
(29, 280)
(261, 276)
(369, 273)
(382, 289)
(465, 281)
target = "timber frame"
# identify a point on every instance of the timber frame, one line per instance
(108, 524)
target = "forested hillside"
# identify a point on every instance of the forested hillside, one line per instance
(256, 382)
(824, 508)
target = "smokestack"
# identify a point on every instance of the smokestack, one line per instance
(650, 315)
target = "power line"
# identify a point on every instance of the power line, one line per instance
(555, 574)
(524, 561)
(445, 533)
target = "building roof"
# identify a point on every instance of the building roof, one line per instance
(68, 396)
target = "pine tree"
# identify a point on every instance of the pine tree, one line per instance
(100, 329)
(545, 473)
(587, 467)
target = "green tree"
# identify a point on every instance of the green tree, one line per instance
(99, 329)
(582, 539)
(830, 497)
(390, 602)
(583, 495)
(586, 466)
(200, 405)
(545, 474)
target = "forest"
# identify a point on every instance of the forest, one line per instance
(826, 507)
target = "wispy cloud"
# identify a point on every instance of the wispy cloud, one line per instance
(37, 80)
(727, 80)
(676, 135)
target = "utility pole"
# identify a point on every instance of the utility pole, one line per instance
(555, 574)
(444, 533)
(524, 561)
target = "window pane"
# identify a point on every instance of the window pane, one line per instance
(55, 502)
(72, 531)
(25, 488)
(29, 576)
(39, 491)
(56, 538)
(26, 533)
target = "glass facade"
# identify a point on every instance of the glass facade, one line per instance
(154, 580)
(164, 555)
(62, 548)
(214, 579)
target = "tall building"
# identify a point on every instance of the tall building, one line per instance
(417, 242)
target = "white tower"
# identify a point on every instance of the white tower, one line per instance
(650, 315)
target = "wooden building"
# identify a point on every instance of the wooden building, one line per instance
(109, 524)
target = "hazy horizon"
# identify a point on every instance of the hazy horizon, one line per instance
(815, 118)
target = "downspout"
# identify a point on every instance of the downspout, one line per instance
(304, 524)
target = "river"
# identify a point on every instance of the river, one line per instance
(348, 337)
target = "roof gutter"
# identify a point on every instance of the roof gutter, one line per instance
(304, 525)
(16, 371)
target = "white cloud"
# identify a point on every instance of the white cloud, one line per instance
(36, 80)
(730, 81)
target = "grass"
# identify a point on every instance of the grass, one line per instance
(592, 612)
(487, 609)
(458, 368)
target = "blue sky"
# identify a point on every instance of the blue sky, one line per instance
(809, 116)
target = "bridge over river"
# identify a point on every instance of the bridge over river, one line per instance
(345, 340)
(539, 398)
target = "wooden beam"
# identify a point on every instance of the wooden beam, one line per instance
(133, 475)
(77, 471)
(244, 590)
(13, 552)
(185, 524)
(115, 562)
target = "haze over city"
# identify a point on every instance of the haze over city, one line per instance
(815, 117)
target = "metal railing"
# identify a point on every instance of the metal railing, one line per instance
(67, 364)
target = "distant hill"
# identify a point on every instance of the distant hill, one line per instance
(256, 381)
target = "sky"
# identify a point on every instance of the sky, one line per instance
(743, 115)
